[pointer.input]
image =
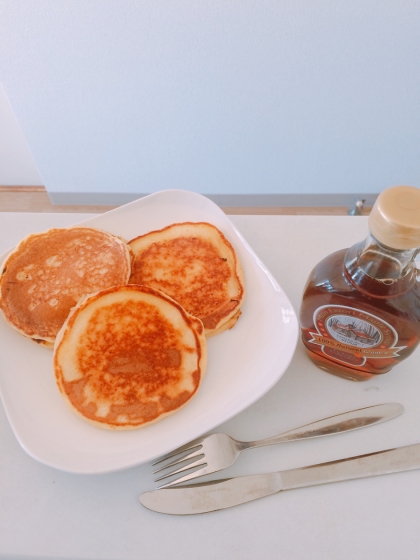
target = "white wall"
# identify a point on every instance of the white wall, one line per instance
(17, 166)
(217, 96)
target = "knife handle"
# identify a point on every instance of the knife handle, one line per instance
(373, 464)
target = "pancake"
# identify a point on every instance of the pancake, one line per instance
(48, 273)
(195, 265)
(129, 356)
(226, 326)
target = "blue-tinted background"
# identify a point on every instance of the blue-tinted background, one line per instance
(237, 97)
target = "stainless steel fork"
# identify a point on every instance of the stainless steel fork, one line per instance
(218, 451)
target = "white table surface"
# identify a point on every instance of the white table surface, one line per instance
(45, 513)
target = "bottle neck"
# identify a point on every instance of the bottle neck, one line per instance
(379, 270)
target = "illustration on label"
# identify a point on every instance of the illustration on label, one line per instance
(351, 336)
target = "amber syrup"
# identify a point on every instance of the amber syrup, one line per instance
(359, 320)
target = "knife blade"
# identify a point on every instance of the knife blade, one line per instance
(221, 494)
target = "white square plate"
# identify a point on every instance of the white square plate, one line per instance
(243, 364)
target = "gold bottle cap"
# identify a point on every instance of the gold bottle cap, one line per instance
(395, 218)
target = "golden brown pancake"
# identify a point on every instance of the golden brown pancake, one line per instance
(48, 273)
(197, 266)
(129, 356)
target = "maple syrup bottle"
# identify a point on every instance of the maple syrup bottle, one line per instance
(360, 312)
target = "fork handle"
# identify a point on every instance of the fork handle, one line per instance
(345, 422)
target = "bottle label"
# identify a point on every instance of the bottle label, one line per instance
(352, 336)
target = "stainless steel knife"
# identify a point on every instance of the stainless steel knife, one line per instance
(222, 494)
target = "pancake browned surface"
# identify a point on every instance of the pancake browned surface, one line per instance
(196, 265)
(48, 273)
(129, 356)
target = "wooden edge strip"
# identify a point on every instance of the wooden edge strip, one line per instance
(36, 199)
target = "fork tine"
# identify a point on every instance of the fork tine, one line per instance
(190, 476)
(187, 447)
(193, 455)
(199, 463)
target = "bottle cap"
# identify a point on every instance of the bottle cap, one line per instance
(395, 218)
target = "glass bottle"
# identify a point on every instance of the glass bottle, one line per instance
(360, 312)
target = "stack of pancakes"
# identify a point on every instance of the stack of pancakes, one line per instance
(128, 321)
